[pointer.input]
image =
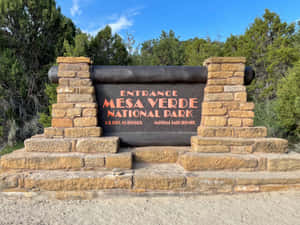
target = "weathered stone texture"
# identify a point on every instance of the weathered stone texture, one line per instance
(98, 145)
(48, 145)
(78, 132)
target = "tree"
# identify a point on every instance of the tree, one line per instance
(32, 36)
(167, 50)
(80, 47)
(108, 49)
(288, 101)
(268, 46)
(198, 49)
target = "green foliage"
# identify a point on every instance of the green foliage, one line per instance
(80, 47)
(288, 101)
(197, 50)
(265, 115)
(108, 49)
(8, 149)
(268, 45)
(167, 50)
(45, 118)
(32, 33)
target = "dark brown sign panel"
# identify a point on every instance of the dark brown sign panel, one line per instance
(150, 114)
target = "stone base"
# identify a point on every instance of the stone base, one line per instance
(193, 161)
(22, 160)
(238, 145)
(86, 145)
(147, 178)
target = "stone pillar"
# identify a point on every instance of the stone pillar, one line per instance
(225, 97)
(227, 117)
(75, 114)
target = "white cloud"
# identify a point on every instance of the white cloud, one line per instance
(118, 25)
(121, 24)
(75, 10)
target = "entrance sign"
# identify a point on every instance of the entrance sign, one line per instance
(150, 105)
(141, 114)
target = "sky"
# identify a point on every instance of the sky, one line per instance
(145, 20)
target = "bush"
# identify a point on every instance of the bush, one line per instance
(288, 102)
(45, 118)
(265, 115)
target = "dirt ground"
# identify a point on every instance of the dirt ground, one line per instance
(253, 209)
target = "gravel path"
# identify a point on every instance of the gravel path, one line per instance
(252, 209)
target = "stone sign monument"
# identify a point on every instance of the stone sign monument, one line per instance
(104, 113)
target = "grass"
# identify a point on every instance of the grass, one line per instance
(8, 149)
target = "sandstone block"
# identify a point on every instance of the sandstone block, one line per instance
(239, 74)
(213, 89)
(86, 90)
(250, 132)
(219, 74)
(234, 88)
(231, 105)
(58, 113)
(8, 181)
(73, 60)
(80, 82)
(197, 162)
(46, 162)
(65, 90)
(213, 121)
(61, 123)
(241, 114)
(271, 145)
(209, 105)
(86, 105)
(214, 67)
(79, 183)
(83, 74)
(206, 131)
(234, 122)
(120, 160)
(235, 81)
(48, 145)
(210, 148)
(284, 164)
(78, 132)
(227, 81)
(63, 106)
(94, 161)
(209, 185)
(241, 149)
(74, 67)
(214, 111)
(248, 122)
(98, 145)
(63, 82)
(85, 122)
(247, 106)
(74, 112)
(236, 67)
(158, 154)
(240, 96)
(158, 182)
(282, 187)
(197, 140)
(89, 112)
(66, 74)
(223, 131)
(219, 60)
(218, 97)
(50, 132)
(246, 188)
(75, 98)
